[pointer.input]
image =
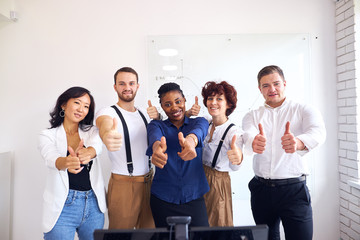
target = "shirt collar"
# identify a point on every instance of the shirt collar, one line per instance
(286, 101)
(168, 123)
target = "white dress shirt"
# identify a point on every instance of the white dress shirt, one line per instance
(306, 124)
(223, 163)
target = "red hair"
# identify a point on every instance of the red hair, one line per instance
(212, 88)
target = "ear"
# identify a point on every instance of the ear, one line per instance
(284, 83)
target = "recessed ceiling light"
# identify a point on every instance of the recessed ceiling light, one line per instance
(168, 52)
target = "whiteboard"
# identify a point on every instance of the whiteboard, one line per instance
(236, 59)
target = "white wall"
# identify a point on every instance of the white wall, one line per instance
(59, 44)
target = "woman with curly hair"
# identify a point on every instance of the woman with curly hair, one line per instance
(222, 151)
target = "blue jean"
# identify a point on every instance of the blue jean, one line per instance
(81, 213)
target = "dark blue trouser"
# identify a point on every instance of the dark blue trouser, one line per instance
(162, 209)
(289, 203)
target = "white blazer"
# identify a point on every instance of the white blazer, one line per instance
(52, 145)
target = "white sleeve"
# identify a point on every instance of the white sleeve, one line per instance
(250, 131)
(314, 132)
(108, 111)
(235, 130)
(94, 140)
(48, 149)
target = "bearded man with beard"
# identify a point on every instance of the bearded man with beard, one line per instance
(128, 196)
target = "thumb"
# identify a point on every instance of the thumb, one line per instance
(71, 151)
(233, 142)
(261, 129)
(81, 145)
(114, 127)
(149, 103)
(196, 100)
(181, 138)
(163, 143)
(287, 128)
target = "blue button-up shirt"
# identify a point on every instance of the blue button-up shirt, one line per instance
(179, 181)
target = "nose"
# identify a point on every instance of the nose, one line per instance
(80, 108)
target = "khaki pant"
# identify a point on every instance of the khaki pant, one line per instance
(218, 200)
(129, 201)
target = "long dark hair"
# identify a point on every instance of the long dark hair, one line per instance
(74, 92)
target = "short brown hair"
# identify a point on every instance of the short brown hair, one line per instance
(269, 70)
(128, 70)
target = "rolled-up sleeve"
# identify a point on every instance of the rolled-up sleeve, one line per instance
(313, 127)
(250, 131)
(154, 133)
(200, 128)
(94, 140)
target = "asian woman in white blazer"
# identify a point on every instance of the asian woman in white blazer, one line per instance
(74, 196)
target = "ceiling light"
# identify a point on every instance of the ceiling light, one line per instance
(168, 52)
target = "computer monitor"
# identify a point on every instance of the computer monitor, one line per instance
(259, 232)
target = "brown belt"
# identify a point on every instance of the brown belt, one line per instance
(144, 178)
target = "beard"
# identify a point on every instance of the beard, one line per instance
(127, 98)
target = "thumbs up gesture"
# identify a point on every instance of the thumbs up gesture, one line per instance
(235, 154)
(152, 111)
(72, 162)
(188, 145)
(288, 140)
(195, 109)
(112, 138)
(259, 142)
(84, 154)
(159, 157)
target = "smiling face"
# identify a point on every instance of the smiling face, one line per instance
(76, 109)
(272, 87)
(126, 86)
(217, 105)
(173, 104)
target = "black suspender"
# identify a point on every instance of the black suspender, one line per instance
(127, 139)
(219, 146)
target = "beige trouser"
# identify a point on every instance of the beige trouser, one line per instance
(218, 200)
(129, 201)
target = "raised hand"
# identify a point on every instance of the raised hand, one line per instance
(259, 142)
(159, 157)
(288, 140)
(84, 154)
(72, 162)
(188, 145)
(112, 138)
(195, 109)
(152, 111)
(235, 154)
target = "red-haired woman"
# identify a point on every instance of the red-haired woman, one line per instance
(222, 151)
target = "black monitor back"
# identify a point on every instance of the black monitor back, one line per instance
(259, 232)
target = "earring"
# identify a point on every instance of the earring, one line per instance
(62, 113)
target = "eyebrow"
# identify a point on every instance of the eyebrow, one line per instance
(179, 98)
(78, 99)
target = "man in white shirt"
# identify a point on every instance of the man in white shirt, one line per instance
(128, 194)
(280, 133)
